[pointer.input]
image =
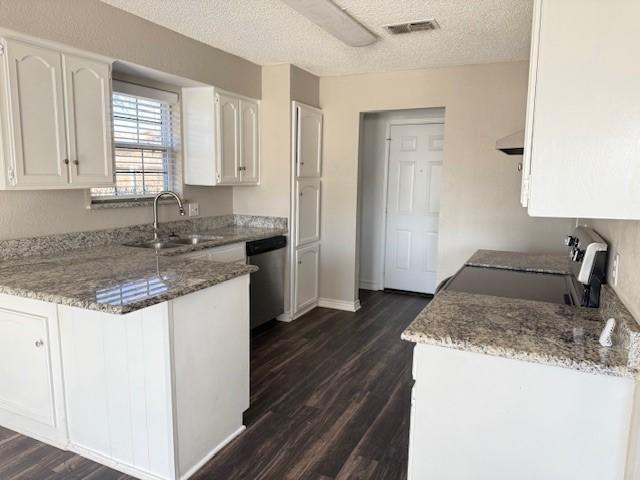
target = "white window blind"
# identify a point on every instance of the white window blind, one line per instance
(146, 128)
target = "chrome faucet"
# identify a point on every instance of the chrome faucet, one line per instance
(155, 209)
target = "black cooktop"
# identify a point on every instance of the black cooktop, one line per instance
(544, 287)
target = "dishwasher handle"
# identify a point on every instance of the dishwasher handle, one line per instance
(266, 245)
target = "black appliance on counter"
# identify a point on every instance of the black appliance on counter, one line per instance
(587, 263)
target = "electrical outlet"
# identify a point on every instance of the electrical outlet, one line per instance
(615, 270)
(194, 209)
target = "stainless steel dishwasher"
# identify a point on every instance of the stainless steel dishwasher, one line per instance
(267, 284)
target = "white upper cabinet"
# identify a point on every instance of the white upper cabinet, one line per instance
(88, 121)
(221, 134)
(308, 137)
(34, 135)
(228, 119)
(55, 118)
(582, 142)
(249, 142)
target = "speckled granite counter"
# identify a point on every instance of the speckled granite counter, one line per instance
(533, 331)
(120, 279)
(527, 262)
(538, 332)
(112, 279)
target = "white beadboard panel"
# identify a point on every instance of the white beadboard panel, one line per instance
(117, 378)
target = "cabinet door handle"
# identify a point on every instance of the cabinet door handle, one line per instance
(39, 343)
(66, 161)
(76, 162)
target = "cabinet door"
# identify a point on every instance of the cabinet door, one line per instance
(306, 275)
(25, 379)
(88, 109)
(249, 142)
(308, 141)
(583, 124)
(36, 102)
(307, 211)
(228, 135)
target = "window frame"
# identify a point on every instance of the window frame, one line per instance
(171, 136)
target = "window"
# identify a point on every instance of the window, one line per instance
(145, 137)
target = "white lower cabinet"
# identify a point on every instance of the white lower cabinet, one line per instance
(154, 393)
(306, 273)
(482, 417)
(31, 391)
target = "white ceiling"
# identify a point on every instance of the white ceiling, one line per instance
(269, 32)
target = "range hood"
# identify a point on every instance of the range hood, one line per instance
(512, 144)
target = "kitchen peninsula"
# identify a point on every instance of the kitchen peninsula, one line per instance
(135, 358)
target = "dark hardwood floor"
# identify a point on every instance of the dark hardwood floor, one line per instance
(330, 397)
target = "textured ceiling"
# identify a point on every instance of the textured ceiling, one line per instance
(269, 32)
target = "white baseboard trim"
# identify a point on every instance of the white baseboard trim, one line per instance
(304, 310)
(211, 454)
(339, 304)
(367, 285)
(111, 463)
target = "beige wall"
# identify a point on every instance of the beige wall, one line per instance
(480, 198)
(305, 87)
(272, 196)
(280, 85)
(623, 237)
(94, 26)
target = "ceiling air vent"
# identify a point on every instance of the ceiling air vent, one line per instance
(409, 27)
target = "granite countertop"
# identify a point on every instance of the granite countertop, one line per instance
(534, 331)
(526, 262)
(120, 279)
(540, 332)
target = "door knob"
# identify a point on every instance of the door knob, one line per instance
(39, 343)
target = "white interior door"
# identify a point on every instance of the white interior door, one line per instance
(413, 207)
(309, 141)
(88, 110)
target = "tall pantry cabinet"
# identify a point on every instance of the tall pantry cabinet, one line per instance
(305, 205)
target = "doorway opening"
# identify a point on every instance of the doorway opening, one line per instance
(400, 174)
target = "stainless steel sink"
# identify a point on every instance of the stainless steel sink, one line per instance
(174, 242)
(195, 239)
(159, 244)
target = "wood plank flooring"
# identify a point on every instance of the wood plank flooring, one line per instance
(330, 399)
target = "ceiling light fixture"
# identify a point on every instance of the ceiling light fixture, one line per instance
(335, 20)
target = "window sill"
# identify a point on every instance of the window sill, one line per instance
(127, 203)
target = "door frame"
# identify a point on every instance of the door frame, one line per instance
(385, 188)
